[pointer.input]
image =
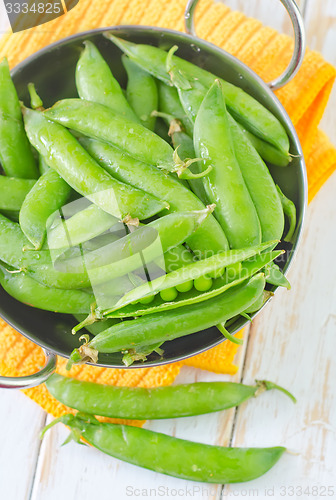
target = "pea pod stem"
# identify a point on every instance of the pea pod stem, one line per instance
(173, 456)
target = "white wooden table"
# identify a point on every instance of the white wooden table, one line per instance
(293, 342)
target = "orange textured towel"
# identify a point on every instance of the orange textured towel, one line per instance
(266, 52)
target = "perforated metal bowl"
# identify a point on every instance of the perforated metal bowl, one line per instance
(53, 71)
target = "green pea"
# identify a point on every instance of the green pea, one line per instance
(169, 294)
(203, 283)
(218, 273)
(185, 287)
(147, 300)
(233, 271)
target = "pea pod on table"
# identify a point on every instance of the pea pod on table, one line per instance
(139, 403)
(95, 82)
(15, 152)
(70, 160)
(253, 115)
(141, 92)
(224, 185)
(173, 456)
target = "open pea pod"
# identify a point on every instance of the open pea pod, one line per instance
(220, 285)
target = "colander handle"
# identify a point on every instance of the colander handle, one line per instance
(299, 36)
(31, 380)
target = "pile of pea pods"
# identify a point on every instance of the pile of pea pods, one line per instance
(148, 213)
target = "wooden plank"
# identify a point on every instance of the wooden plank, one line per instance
(20, 424)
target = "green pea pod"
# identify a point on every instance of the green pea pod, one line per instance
(142, 93)
(177, 257)
(100, 122)
(95, 82)
(243, 107)
(169, 325)
(261, 300)
(290, 211)
(15, 152)
(38, 264)
(193, 271)
(274, 276)
(25, 289)
(193, 296)
(82, 226)
(137, 249)
(137, 403)
(224, 185)
(172, 456)
(259, 183)
(65, 155)
(13, 192)
(169, 103)
(43, 166)
(208, 239)
(49, 193)
(267, 151)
